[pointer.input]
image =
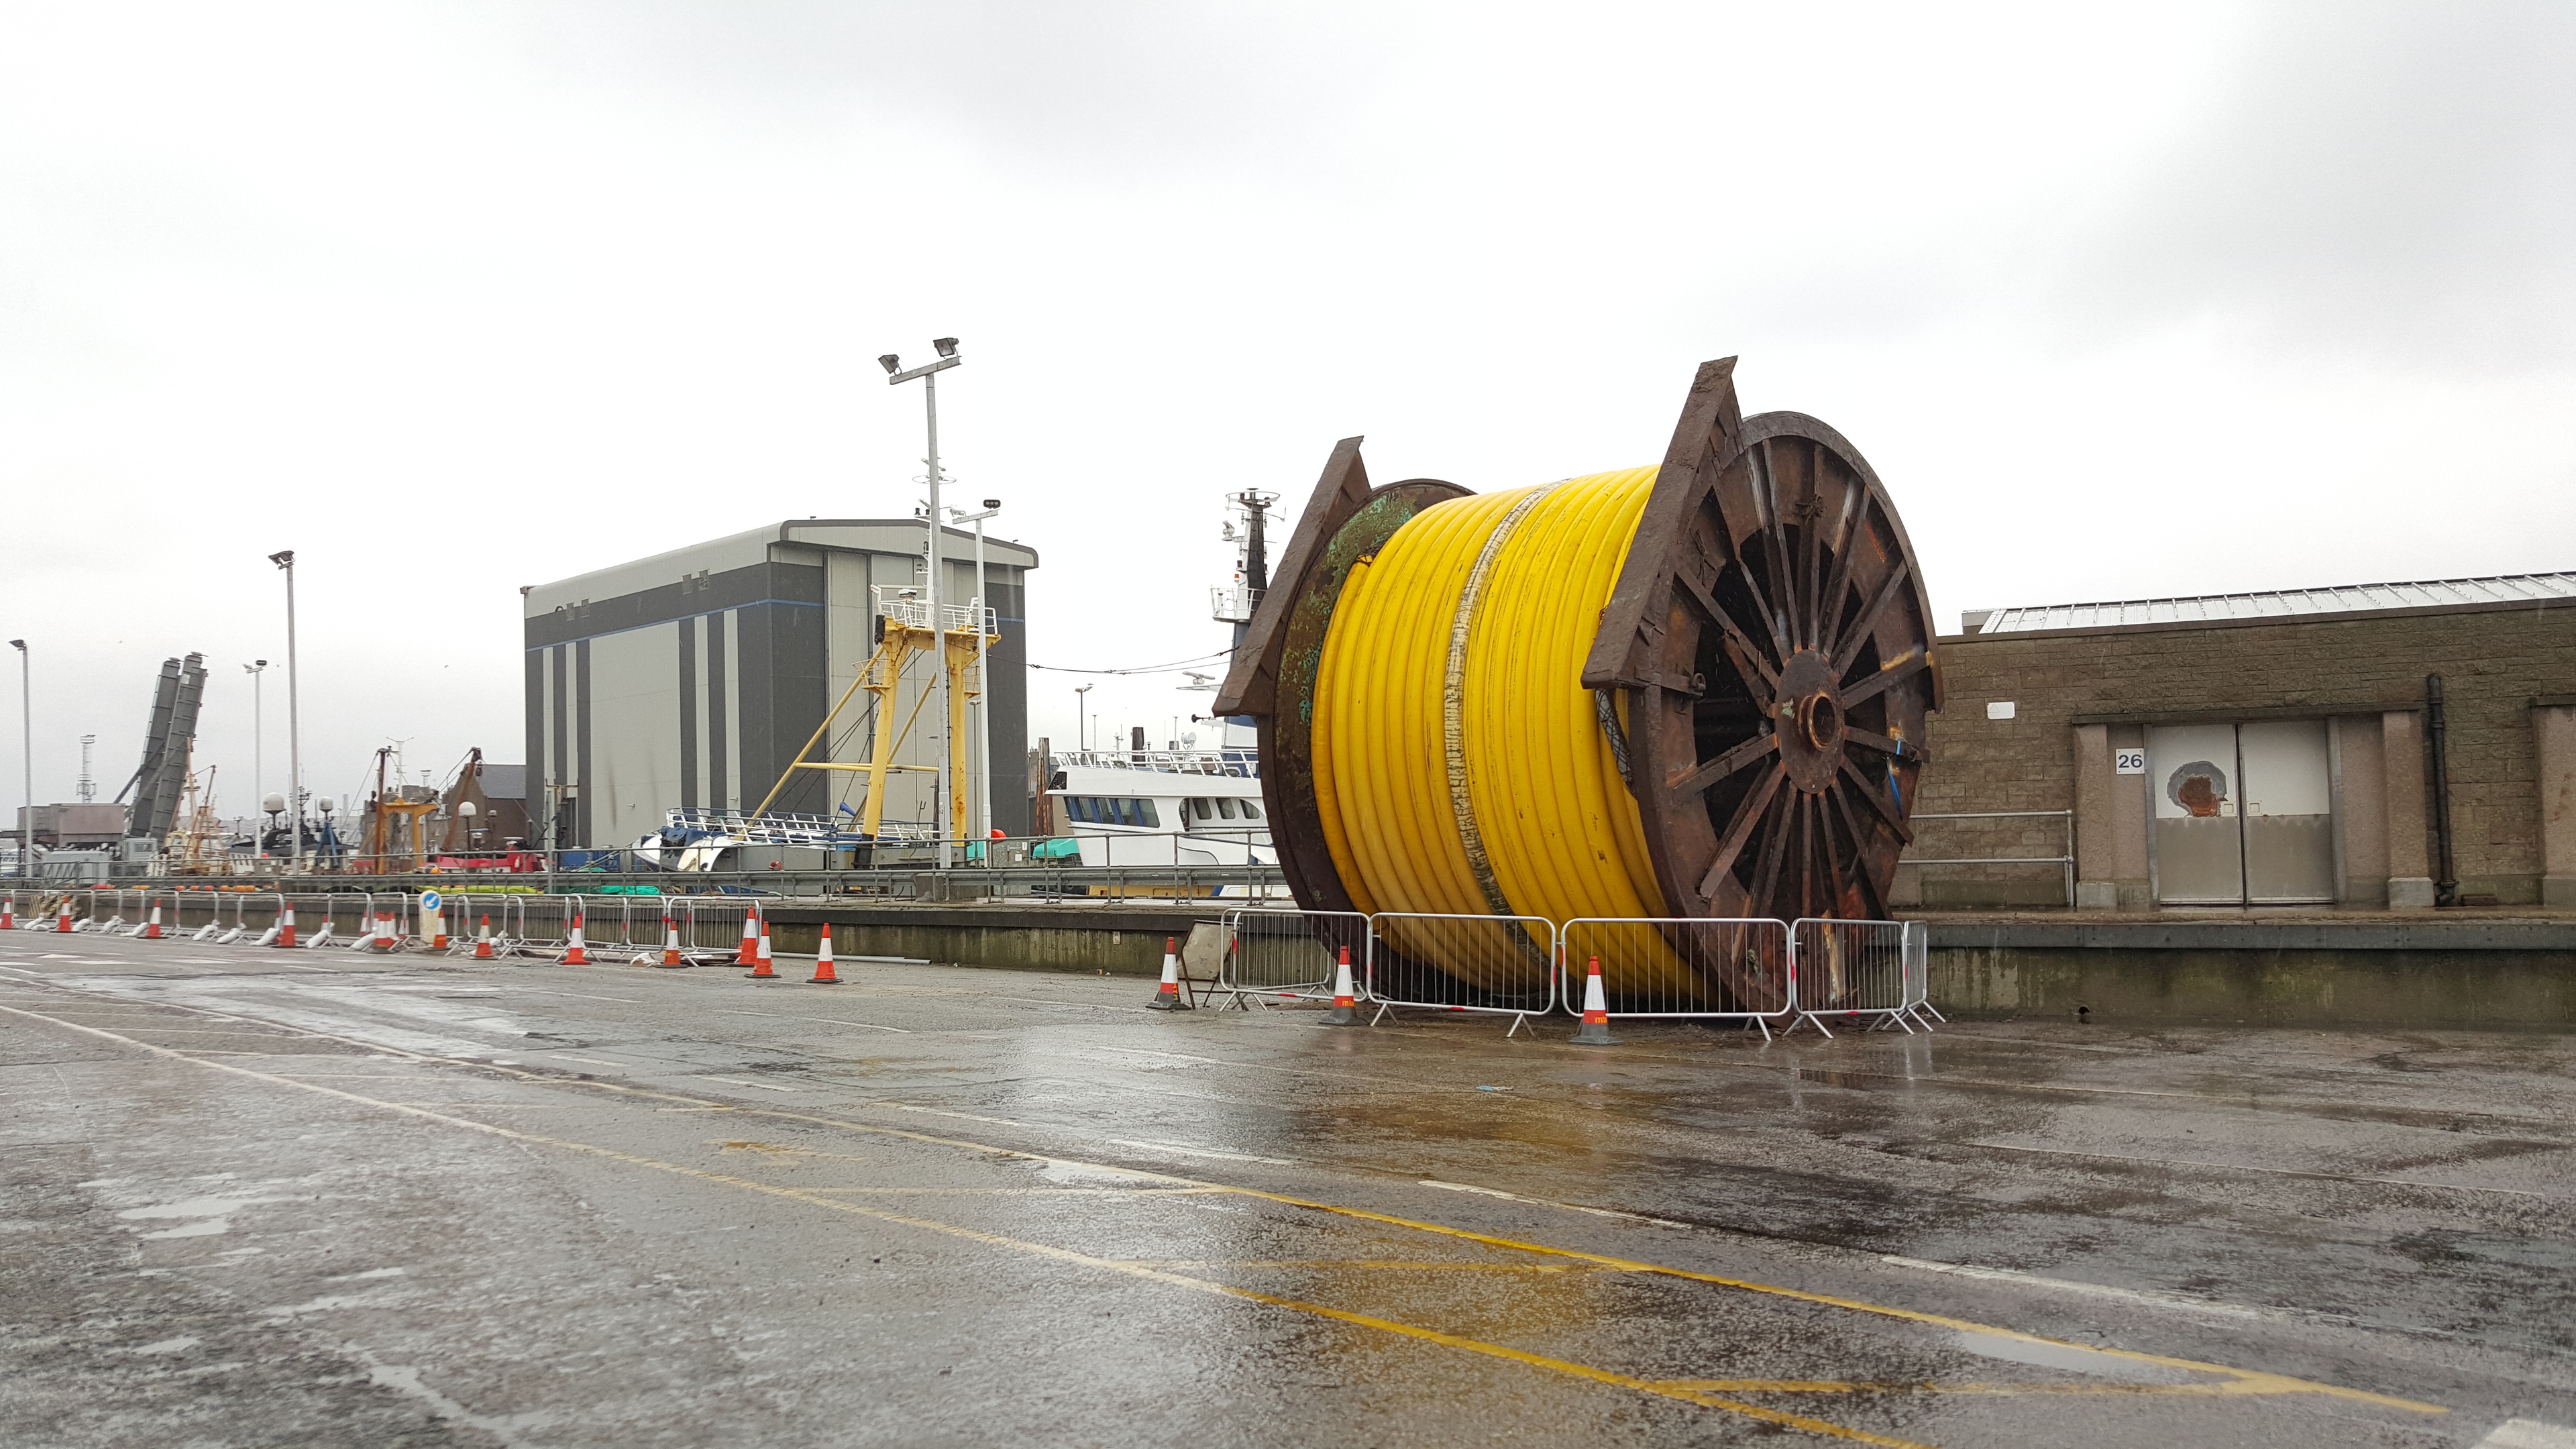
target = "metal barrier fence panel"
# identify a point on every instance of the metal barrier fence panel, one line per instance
(1290, 953)
(711, 928)
(1503, 964)
(542, 925)
(1854, 971)
(1719, 969)
(1918, 973)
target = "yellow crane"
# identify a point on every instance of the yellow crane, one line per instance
(907, 630)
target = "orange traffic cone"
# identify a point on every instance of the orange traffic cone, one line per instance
(823, 973)
(761, 970)
(483, 942)
(152, 928)
(1346, 1002)
(436, 928)
(9, 912)
(750, 953)
(1168, 997)
(1596, 1012)
(671, 943)
(286, 927)
(385, 931)
(63, 922)
(573, 954)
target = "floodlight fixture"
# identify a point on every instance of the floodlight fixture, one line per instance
(890, 362)
(947, 346)
(284, 558)
(992, 502)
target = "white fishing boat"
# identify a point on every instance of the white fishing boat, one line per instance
(1164, 807)
(1180, 806)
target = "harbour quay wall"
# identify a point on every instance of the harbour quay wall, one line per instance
(1118, 940)
(2386, 972)
(2334, 969)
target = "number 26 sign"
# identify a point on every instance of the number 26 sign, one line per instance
(2128, 762)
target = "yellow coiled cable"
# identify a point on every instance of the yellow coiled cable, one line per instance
(1460, 765)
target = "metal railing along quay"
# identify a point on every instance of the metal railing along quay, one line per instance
(1080, 864)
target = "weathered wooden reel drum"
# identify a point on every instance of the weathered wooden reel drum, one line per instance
(1694, 691)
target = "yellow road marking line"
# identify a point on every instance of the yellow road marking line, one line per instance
(1044, 1250)
(1373, 1263)
(1032, 1192)
(2270, 1383)
(2232, 1388)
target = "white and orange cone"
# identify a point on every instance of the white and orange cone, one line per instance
(1596, 1012)
(9, 912)
(1168, 997)
(483, 941)
(152, 928)
(286, 927)
(573, 953)
(63, 922)
(750, 953)
(1346, 1001)
(435, 928)
(824, 975)
(761, 970)
(671, 943)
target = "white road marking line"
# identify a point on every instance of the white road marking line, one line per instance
(2250, 1167)
(834, 1020)
(764, 1086)
(1114, 1141)
(1598, 1212)
(2528, 1434)
(2090, 1290)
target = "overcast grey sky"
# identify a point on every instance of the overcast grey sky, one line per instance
(456, 297)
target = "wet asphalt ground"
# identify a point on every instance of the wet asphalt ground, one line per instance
(255, 1197)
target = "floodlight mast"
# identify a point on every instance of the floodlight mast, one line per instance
(927, 372)
(285, 560)
(27, 743)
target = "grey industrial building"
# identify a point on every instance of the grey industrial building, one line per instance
(693, 677)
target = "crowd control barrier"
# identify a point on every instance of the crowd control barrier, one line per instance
(1701, 969)
(1281, 952)
(1873, 973)
(1506, 965)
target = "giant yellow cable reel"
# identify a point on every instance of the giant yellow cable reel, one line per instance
(1693, 690)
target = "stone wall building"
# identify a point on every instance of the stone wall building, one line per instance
(2256, 749)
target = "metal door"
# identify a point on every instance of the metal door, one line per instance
(2244, 814)
(2199, 846)
(2288, 813)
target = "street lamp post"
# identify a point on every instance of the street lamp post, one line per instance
(257, 669)
(27, 741)
(928, 373)
(1081, 716)
(285, 559)
(983, 679)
